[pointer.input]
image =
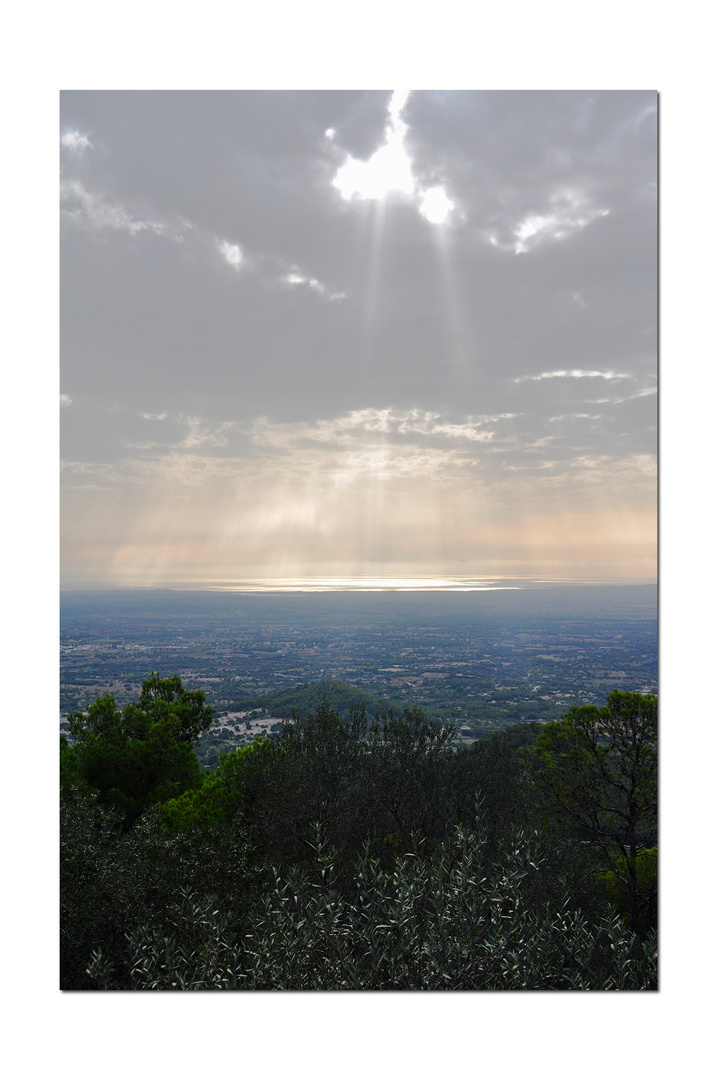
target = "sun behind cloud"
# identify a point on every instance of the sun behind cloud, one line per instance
(389, 171)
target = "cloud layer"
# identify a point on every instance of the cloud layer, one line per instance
(369, 329)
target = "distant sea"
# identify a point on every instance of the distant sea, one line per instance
(410, 598)
(366, 584)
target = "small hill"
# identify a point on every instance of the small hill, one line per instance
(341, 695)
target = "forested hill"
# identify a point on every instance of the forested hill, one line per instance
(341, 696)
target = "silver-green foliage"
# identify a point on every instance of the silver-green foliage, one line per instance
(443, 921)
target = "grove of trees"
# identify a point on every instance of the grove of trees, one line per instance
(357, 854)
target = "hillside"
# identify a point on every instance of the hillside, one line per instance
(341, 696)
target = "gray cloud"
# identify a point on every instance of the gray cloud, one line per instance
(223, 301)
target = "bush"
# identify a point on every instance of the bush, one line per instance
(111, 879)
(446, 921)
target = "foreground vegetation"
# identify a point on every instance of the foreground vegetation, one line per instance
(358, 855)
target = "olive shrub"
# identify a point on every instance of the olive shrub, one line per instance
(448, 920)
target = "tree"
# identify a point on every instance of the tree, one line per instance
(144, 753)
(223, 792)
(409, 775)
(313, 772)
(610, 888)
(598, 770)
(393, 779)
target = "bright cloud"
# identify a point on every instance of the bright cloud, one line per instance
(361, 424)
(389, 171)
(568, 212)
(435, 206)
(575, 373)
(573, 416)
(231, 254)
(235, 257)
(75, 142)
(295, 277)
(648, 391)
(91, 211)
(202, 434)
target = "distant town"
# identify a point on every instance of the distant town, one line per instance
(480, 661)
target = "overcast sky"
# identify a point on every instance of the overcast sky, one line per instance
(346, 333)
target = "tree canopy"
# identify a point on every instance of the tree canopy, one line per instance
(421, 877)
(143, 753)
(598, 769)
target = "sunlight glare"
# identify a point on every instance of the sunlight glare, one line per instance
(362, 584)
(435, 206)
(388, 170)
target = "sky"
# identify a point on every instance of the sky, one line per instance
(379, 335)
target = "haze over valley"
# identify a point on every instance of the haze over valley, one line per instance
(479, 660)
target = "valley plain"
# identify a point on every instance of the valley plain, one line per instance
(480, 660)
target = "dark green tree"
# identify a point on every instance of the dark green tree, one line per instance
(314, 771)
(142, 754)
(597, 768)
(392, 780)
(611, 889)
(409, 775)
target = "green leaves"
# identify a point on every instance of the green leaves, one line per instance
(449, 920)
(597, 768)
(186, 899)
(142, 754)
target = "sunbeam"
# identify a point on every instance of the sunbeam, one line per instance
(373, 278)
(461, 348)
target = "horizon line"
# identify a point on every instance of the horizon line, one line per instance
(357, 583)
